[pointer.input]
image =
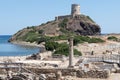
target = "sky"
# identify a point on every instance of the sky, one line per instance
(18, 14)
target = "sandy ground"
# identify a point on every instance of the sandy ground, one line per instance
(12, 58)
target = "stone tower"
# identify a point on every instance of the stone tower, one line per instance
(75, 9)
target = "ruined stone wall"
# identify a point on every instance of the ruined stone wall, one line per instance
(92, 74)
(57, 73)
(62, 17)
(75, 72)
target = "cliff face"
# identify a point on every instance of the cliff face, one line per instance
(80, 25)
(84, 25)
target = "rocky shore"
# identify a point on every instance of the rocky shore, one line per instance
(27, 43)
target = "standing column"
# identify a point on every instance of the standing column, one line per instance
(71, 53)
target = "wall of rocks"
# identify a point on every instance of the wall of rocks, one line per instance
(57, 73)
(92, 74)
(75, 72)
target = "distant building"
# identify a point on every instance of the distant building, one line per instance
(75, 11)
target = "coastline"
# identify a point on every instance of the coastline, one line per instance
(23, 43)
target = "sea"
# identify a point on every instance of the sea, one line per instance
(9, 49)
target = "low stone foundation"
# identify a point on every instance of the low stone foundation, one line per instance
(58, 73)
(75, 72)
(92, 74)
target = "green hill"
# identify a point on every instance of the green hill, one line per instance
(83, 25)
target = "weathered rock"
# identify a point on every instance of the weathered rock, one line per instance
(84, 28)
(58, 75)
(51, 76)
(1, 78)
(42, 77)
(40, 56)
(34, 57)
(68, 72)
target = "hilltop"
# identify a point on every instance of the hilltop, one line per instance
(83, 25)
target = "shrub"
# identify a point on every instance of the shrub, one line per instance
(60, 37)
(31, 36)
(81, 39)
(76, 52)
(55, 38)
(62, 48)
(95, 40)
(40, 31)
(28, 27)
(50, 46)
(43, 39)
(112, 38)
(63, 30)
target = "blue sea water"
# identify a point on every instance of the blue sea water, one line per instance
(8, 49)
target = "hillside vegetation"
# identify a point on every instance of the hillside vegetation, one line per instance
(53, 31)
(83, 26)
